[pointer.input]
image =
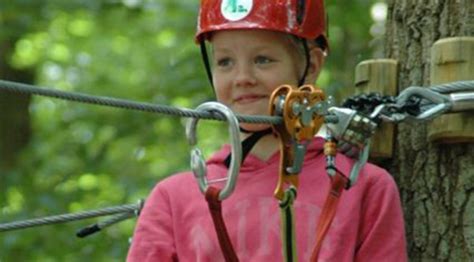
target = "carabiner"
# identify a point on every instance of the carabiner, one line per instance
(330, 151)
(198, 164)
(300, 110)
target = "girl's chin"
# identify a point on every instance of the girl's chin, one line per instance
(249, 111)
(254, 127)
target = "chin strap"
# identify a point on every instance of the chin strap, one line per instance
(248, 143)
(307, 60)
(207, 64)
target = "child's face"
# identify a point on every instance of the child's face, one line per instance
(249, 64)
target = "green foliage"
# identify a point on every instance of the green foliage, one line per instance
(85, 157)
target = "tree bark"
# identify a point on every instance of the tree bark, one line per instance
(436, 181)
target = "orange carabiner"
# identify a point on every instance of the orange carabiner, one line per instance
(298, 107)
(277, 106)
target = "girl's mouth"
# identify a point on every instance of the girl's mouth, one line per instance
(247, 99)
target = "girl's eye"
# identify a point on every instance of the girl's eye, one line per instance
(263, 60)
(224, 62)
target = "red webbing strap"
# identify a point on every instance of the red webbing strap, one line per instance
(338, 183)
(215, 207)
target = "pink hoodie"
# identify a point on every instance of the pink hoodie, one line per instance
(175, 224)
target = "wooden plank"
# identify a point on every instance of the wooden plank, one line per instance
(452, 60)
(379, 75)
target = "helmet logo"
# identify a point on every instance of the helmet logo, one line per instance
(234, 10)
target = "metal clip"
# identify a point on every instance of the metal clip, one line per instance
(330, 152)
(299, 110)
(353, 132)
(351, 127)
(198, 164)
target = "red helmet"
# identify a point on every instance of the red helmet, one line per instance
(302, 18)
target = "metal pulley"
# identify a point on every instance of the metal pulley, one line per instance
(302, 120)
(352, 128)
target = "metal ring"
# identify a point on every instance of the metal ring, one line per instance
(198, 164)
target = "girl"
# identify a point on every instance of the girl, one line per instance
(256, 47)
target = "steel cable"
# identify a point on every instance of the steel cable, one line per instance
(128, 104)
(459, 86)
(70, 217)
(89, 230)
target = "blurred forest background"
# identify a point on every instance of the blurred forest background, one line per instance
(73, 157)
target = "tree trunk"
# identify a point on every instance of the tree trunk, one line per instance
(436, 181)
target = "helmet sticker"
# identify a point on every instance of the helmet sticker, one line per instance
(234, 10)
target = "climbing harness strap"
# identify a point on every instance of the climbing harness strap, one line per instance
(338, 183)
(288, 225)
(215, 207)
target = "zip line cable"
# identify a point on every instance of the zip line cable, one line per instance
(130, 208)
(89, 230)
(128, 104)
(185, 112)
(458, 86)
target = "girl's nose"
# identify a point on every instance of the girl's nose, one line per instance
(245, 76)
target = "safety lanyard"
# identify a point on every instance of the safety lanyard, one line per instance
(339, 182)
(215, 207)
(301, 123)
(214, 196)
